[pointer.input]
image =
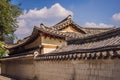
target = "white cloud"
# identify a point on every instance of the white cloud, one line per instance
(116, 17)
(100, 25)
(36, 16)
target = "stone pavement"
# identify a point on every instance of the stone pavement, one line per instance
(5, 78)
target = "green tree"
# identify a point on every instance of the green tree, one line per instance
(2, 49)
(8, 18)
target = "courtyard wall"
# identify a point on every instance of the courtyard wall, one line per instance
(78, 70)
(19, 69)
(62, 68)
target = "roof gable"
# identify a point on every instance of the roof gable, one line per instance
(69, 29)
(66, 23)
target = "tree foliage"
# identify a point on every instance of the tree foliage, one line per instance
(8, 14)
(2, 49)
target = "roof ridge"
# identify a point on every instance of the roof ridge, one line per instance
(67, 18)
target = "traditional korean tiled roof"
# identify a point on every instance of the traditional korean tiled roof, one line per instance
(48, 32)
(97, 37)
(107, 47)
(35, 34)
(16, 44)
(66, 35)
(102, 40)
(114, 41)
(54, 31)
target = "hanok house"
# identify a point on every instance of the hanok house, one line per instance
(50, 51)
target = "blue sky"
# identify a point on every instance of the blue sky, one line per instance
(88, 13)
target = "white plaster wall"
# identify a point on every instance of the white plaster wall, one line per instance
(48, 50)
(69, 29)
(53, 41)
